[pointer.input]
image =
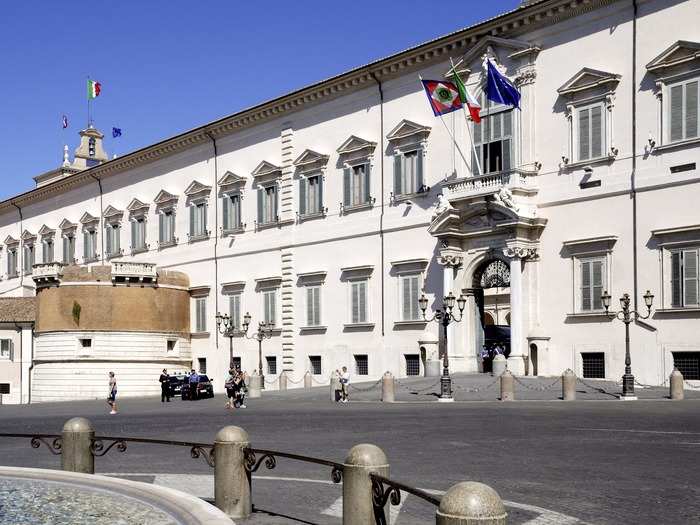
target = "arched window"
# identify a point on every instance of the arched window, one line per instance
(488, 319)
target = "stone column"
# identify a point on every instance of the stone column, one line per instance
(231, 479)
(518, 354)
(76, 455)
(450, 259)
(357, 487)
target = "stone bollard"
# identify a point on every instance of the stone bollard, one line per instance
(499, 365)
(77, 437)
(471, 503)
(357, 486)
(335, 386)
(676, 381)
(507, 387)
(387, 387)
(255, 386)
(283, 381)
(568, 385)
(307, 379)
(231, 479)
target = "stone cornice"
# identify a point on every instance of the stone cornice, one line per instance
(510, 24)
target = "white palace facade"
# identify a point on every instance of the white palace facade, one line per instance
(318, 212)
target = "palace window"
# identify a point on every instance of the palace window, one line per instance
(271, 365)
(493, 138)
(311, 195)
(684, 278)
(138, 234)
(313, 305)
(408, 172)
(5, 348)
(683, 110)
(201, 365)
(231, 209)
(234, 310)
(590, 131)
(591, 262)
(593, 364)
(198, 221)
(112, 239)
(68, 248)
(315, 363)
(89, 245)
(592, 283)
(12, 262)
(166, 228)
(688, 364)
(358, 301)
(27, 258)
(47, 250)
(200, 314)
(361, 365)
(409, 292)
(267, 204)
(270, 307)
(356, 182)
(412, 364)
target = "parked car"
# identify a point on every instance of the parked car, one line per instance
(204, 388)
(176, 382)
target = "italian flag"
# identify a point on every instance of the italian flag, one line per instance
(93, 89)
(467, 98)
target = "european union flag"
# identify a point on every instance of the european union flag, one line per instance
(116, 132)
(500, 89)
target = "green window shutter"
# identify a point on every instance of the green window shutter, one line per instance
(273, 308)
(419, 168)
(302, 195)
(134, 235)
(205, 213)
(586, 285)
(260, 204)
(406, 298)
(691, 110)
(235, 310)
(506, 154)
(161, 234)
(86, 244)
(690, 277)
(355, 302)
(346, 187)
(317, 305)
(108, 239)
(676, 105)
(676, 265)
(397, 174)
(226, 210)
(192, 219)
(597, 284)
(237, 212)
(310, 306)
(363, 301)
(66, 244)
(368, 182)
(320, 193)
(584, 134)
(596, 132)
(117, 238)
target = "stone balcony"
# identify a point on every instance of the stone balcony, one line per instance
(47, 273)
(519, 182)
(134, 271)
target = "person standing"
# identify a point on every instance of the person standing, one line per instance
(230, 388)
(112, 397)
(344, 382)
(194, 380)
(164, 386)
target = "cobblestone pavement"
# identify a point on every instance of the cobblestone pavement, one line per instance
(600, 461)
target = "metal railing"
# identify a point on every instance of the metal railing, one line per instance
(380, 496)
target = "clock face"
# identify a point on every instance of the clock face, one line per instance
(496, 275)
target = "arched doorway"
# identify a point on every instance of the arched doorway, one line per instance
(491, 284)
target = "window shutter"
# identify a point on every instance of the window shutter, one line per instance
(260, 205)
(302, 195)
(676, 279)
(226, 209)
(597, 284)
(596, 132)
(317, 305)
(65, 250)
(161, 233)
(108, 240)
(691, 110)
(406, 298)
(86, 244)
(419, 169)
(676, 105)
(237, 214)
(363, 302)
(134, 235)
(346, 187)
(273, 308)
(320, 193)
(506, 154)
(368, 182)
(116, 230)
(583, 134)
(690, 277)
(397, 174)
(586, 285)
(192, 212)
(355, 302)
(205, 212)
(235, 310)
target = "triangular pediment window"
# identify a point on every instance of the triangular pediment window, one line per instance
(112, 212)
(680, 53)
(354, 144)
(136, 205)
(196, 188)
(27, 236)
(587, 79)
(265, 169)
(66, 225)
(164, 197)
(309, 157)
(10, 240)
(407, 128)
(496, 48)
(45, 231)
(88, 219)
(229, 179)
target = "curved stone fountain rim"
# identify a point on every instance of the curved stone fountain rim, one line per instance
(187, 509)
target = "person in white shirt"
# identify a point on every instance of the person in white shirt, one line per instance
(344, 382)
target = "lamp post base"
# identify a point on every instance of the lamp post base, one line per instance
(628, 385)
(445, 399)
(623, 397)
(445, 389)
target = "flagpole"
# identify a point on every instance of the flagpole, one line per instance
(448, 130)
(88, 101)
(469, 129)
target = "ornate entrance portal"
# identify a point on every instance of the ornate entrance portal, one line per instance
(491, 284)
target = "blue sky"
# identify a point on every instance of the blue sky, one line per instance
(169, 66)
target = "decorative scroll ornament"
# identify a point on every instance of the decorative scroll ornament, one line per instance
(520, 253)
(206, 453)
(97, 447)
(252, 464)
(380, 498)
(54, 447)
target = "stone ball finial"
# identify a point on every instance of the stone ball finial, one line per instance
(366, 455)
(78, 424)
(471, 502)
(232, 434)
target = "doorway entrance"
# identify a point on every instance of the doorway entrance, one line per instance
(491, 285)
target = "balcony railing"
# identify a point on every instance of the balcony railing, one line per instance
(128, 270)
(47, 272)
(467, 187)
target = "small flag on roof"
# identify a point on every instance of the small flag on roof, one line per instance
(116, 132)
(64, 121)
(443, 96)
(93, 88)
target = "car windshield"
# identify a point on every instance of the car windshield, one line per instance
(203, 379)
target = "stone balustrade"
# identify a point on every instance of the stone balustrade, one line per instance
(47, 273)
(128, 270)
(467, 187)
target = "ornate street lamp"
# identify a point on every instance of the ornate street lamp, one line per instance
(264, 331)
(445, 316)
(226, 327)
(627, 316)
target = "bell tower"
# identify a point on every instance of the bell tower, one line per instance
(90, 152)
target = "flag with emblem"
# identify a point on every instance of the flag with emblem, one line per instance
(443, 96)
(93, 89)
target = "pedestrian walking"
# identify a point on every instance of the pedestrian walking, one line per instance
(240, 390)
(344, 383)
(194, 380)
(229, 385)
(112, 397)
(164, 386)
